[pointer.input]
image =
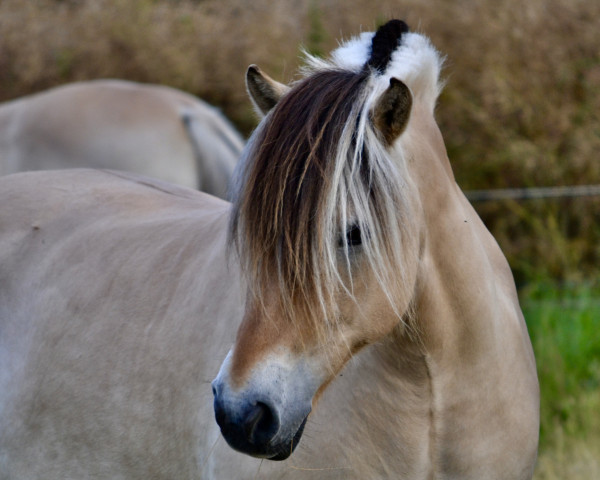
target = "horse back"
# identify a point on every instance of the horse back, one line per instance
(149, 129)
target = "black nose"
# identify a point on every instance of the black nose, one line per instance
(248, 427)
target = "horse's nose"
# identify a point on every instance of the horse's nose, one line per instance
(247, 425)
(261, 424)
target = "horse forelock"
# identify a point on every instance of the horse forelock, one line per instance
(281, 212)
(315, 168)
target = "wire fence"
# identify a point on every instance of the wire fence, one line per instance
(533, 193)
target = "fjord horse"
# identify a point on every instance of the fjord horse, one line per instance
(379, 319)
(148, 129)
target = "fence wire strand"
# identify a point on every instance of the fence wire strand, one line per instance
(533, 193)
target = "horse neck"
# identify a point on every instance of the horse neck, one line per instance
(465, 305)
(465, 293)
(470, 361)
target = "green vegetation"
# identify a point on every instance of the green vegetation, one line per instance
(316, 34)
(564, 324)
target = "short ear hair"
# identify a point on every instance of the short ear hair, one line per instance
(392, 111)
(263, 90)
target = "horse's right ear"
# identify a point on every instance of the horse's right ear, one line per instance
(392, 111)
(263, 90)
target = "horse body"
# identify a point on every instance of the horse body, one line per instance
(148, 129)
(106, 358)
(118, 301)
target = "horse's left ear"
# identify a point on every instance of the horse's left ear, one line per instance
(392, 111)
(263, 90)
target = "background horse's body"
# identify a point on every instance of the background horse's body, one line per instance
(148, 129)
(117, 303)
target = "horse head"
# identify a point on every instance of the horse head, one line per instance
(324, 224)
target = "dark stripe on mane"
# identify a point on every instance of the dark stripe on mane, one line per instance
(384, 42)
(279, 209)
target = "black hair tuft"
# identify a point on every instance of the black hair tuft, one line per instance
(385, 41)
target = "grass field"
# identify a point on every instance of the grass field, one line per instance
(564, 324)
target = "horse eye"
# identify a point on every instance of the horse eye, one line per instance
(353, 236)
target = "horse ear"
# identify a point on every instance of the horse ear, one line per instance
(390, 115)
(263, 90)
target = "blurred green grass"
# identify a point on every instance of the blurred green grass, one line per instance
(564, 325)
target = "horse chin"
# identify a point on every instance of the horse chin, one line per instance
(286, 450)
(277, 452)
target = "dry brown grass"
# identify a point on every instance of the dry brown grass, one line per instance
(574, 459)
(202, 47)
(521, 106)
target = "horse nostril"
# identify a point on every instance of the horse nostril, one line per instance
(261, 424)
(249, 427)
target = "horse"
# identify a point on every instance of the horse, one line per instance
(360, 319)
(153, 130)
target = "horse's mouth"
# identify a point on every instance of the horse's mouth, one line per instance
(284, 451)
(269, 451)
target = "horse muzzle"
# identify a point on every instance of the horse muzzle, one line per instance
(255, 429)
(264, 418)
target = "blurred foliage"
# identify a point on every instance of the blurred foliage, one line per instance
(316, 33)
(563, 322)
(521, 106)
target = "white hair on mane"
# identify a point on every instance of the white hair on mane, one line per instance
(363, 183)
(416, 62)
